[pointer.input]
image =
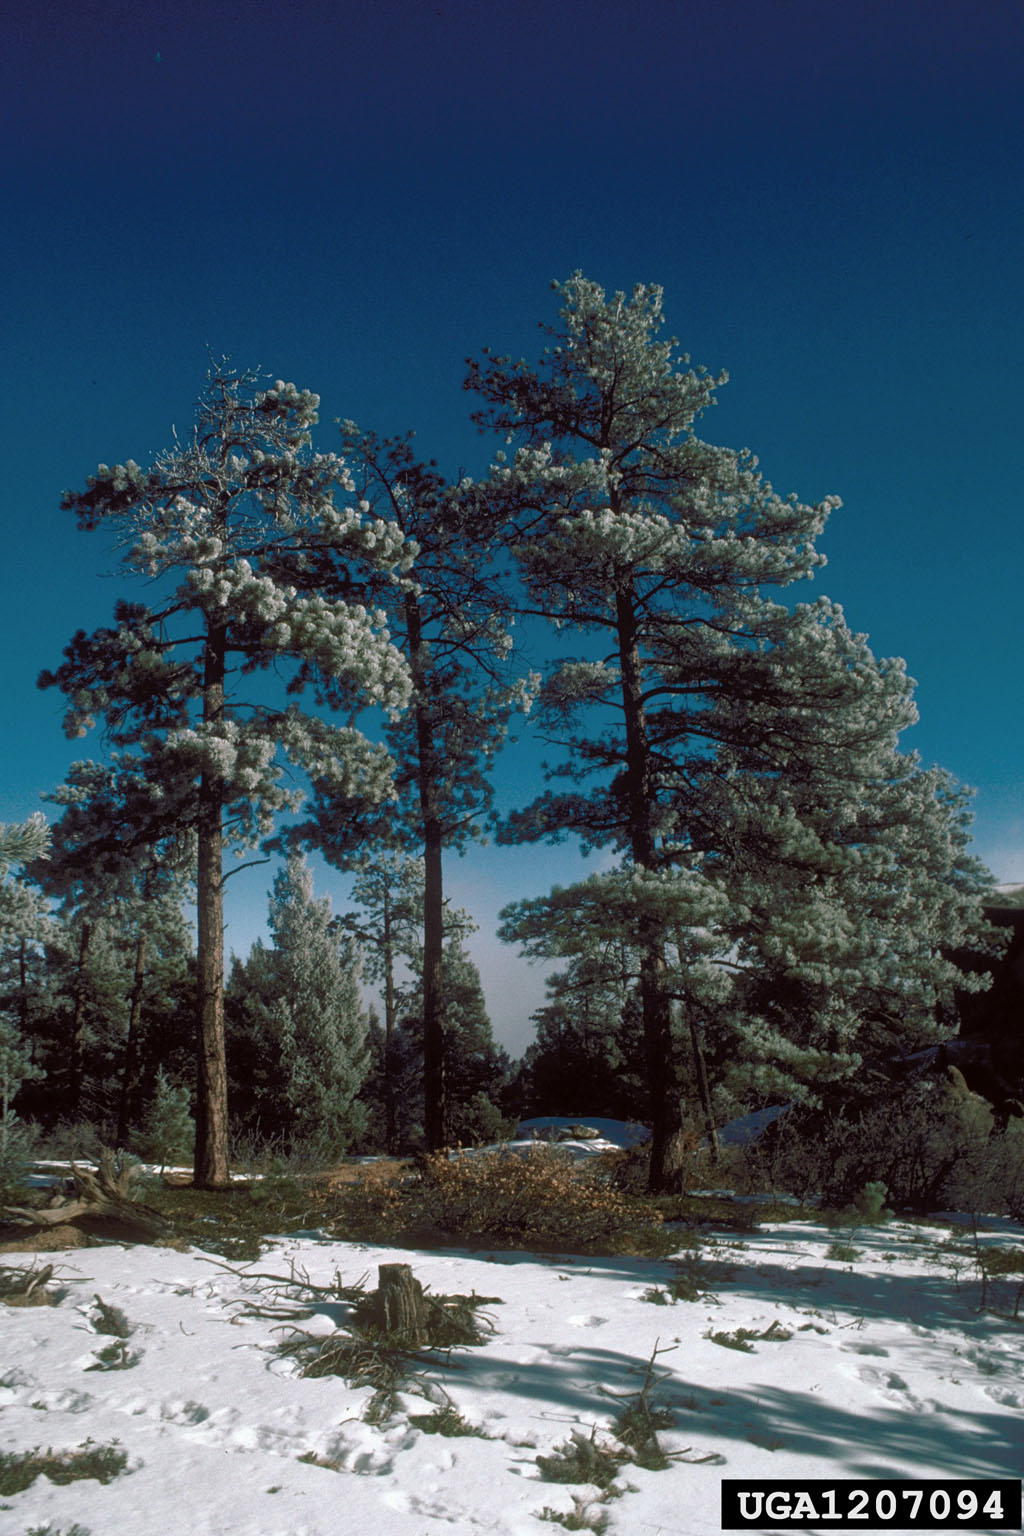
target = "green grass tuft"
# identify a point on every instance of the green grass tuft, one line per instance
(446, 1421)
(19, 1469)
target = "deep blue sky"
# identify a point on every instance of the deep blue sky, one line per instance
(357, 196)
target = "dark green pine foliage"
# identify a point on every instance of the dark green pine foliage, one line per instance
(478, 1071)
(121, 958)
(586, 1056)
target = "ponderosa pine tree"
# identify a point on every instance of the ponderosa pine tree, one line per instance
(477, 1069)
(854, 901)
(209, 522)
(586, 1055)
(596, 1005)
(701, 704)
(449, 623)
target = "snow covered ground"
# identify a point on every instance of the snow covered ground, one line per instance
(888, 1370)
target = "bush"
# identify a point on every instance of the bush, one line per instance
(933, 1146)
(17, 1147)
(75, 1141)
(540, 1195)
(630, 1166)
(536, 1198)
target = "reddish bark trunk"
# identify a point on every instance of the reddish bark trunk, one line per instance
(663, 1086)
(131, 1044)
(434, 1088)
(76, 1072)
(211, 1154)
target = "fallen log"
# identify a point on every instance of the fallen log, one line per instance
(105, 1203)
(25, 1287)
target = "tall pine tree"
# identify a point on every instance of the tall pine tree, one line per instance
(210, 523)
(450, 625)
(700, 706)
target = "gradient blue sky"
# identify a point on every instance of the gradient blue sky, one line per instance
(357, 196)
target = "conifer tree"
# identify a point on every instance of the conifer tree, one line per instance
(700, 705)
(169, 1129)
(26, 928)
(586, 1055)
(450, 625)
(300, 999)
(388, 889)
(106, 967)
(477, 1069)
(23, 922)
(209, 524)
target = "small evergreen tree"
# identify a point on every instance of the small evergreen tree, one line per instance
(122, 947)
(23, 921)
(302, 1018)
(169, 1131)
(388, 889)
(477, 1070)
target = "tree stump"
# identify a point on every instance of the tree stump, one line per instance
(106, 1205)
(401, 1308)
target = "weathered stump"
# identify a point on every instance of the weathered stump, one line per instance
(401, 1308)
(106, 1205)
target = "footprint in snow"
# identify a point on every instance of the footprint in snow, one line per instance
(177, 1412)
(64, 1401)
(371, 1464)
(864, 1349)
(891, 1386)
(586, 1320)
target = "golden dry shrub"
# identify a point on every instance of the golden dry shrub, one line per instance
(537, 1196)
(373, 1207)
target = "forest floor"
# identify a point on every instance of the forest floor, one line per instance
(610, 1392)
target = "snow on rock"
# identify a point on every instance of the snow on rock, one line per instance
(613, 1133)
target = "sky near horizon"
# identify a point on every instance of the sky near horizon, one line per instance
(358, 197)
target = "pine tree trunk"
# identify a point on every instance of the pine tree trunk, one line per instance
(428, 771)
(704, 1089)
(700, 1066)
(390, 1106)
(435, 1114)
(131, 1044)
(663, 1086)
(76, 1066)
(211, 1156)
